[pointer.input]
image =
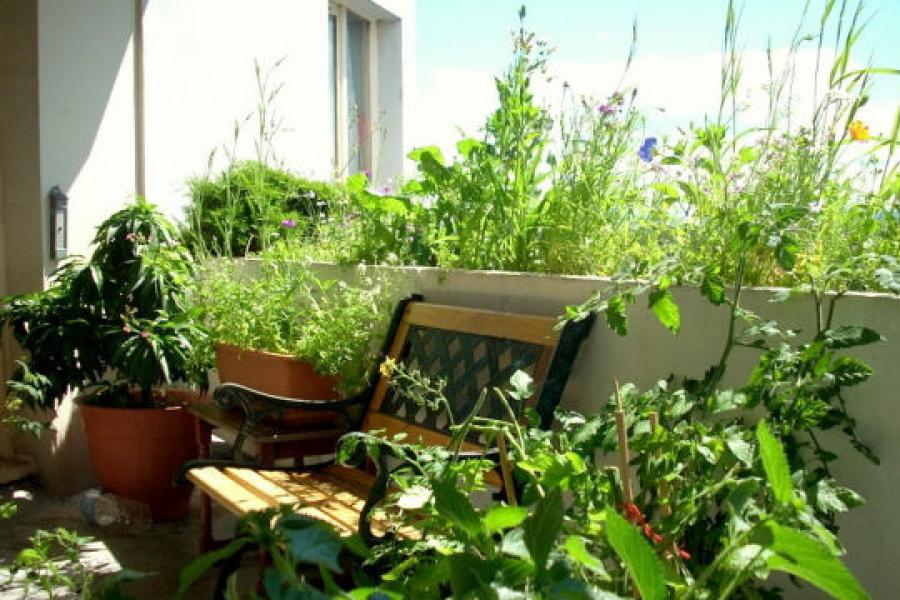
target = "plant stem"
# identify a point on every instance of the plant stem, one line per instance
(719, 370)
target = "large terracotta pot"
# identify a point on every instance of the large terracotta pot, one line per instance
(136, 451)
(279, 375)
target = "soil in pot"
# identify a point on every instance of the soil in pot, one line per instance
(136, 451)
(279, 375)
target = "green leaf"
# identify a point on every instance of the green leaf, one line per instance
(663, 305)
(514, 544)
(713, 287)
(200, 565)
(800, 555)
(850, 371)
(786, 253)
(522, 385)
(742, 450)
(30, 557)
(357, 182)
(373, 594)
(748, 154)
(667, 191)
(316, 545)
(454, 506)
(467, 146)
(641, 562)
(110, 587)
(469, 573)
(775, 464)
(385, 204)
(727, 400)
(420, 154)
(502, 517)
(615, 315)
(849, 336)
(543, 527)
(578, 552)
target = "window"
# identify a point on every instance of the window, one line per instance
(351, 73)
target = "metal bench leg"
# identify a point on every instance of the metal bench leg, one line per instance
(203, 433)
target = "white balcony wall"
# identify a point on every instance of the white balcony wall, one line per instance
(650, 353)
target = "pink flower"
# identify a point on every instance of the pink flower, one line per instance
(145, 334)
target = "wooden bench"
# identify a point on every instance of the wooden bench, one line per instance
(470, 349)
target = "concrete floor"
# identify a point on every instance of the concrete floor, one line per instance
(161, 551)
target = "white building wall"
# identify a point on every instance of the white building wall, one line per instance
(199, 79)
(86, 109)
(199, 59)
(200, 83)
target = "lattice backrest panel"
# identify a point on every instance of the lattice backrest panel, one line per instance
(467, 364)
(470, 350)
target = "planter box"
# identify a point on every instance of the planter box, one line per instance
(278, 375)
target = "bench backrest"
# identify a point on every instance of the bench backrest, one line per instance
(471, 349)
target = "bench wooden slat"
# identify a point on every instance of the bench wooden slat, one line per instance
(258, 485)
(229, 493)
(361, 480)
(524, 328)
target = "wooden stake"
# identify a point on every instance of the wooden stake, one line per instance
(624, 458)
(506, 470)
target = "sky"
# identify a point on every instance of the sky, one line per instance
(462, 44)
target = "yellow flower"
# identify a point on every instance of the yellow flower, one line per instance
(387, 367)
(859, 131)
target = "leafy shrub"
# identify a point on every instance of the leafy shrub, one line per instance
(284, 308)
(240, 210)
(120, 315)
(582, 192)
(572, 533)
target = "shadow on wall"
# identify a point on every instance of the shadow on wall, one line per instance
(86, 104)
(83, 50)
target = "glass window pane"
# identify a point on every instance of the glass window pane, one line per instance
(358, 118)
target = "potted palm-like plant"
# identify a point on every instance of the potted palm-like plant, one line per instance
(116, 327)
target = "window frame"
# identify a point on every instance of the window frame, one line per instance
(341, 152)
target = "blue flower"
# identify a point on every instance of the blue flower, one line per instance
(646, 150)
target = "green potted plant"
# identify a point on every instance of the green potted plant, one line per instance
(280, 329)
(117, 328)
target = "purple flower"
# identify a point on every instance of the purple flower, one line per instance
(367, 173)
(647, 149)
(605, 109)
(289, 223)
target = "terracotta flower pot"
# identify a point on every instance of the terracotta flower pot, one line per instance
(279, 375)
(136, 451)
